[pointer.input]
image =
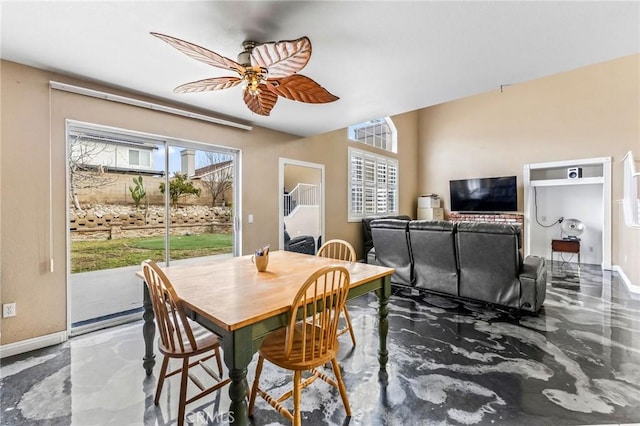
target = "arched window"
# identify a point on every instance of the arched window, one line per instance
(379, 133)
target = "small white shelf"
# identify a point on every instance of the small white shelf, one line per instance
(565, 182)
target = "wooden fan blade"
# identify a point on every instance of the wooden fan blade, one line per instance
(217, 83)
(201, 54)
(282, 58)
(302, 89)
(263, 102)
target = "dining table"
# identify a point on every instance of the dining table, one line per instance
(241, 305)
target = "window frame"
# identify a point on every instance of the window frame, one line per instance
(142, 154)
(383, 192)
(391, 144)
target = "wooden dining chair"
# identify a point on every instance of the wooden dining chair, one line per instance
(341, 250)
(179, 341)
(303, 346)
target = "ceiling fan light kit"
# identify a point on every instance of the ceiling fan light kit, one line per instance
(266, 71)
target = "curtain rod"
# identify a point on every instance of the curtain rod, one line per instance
(143, 104)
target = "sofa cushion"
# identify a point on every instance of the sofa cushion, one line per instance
(489, 262)
(392, 248)
(367, 240)
(435, 266)
(432, 225)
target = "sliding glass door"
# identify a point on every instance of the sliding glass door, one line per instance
(200, 202)
(133, 197)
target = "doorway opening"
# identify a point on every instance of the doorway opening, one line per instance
(301, 216)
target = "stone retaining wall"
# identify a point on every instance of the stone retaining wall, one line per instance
(104, 222)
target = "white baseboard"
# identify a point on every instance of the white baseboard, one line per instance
(32, 344)
(630, 286)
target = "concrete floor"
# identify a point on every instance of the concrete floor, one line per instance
(109, 297)
(451, 363)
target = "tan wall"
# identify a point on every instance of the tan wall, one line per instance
(25, 178)
(299, 174)
(589, 112)
(116, 191)
(40, 294)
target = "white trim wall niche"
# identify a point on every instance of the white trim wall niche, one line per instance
(573, 189)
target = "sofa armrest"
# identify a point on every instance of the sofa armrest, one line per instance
(371, 257)
(533, 280)
(533, 267)
(303, 244)
(367, 238)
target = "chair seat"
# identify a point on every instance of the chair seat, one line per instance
(303, 345)
(204, 342)
(273, 349)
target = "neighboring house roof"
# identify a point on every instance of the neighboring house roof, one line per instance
(123, 141)
(89, 137)
(123, 170)
(210, 169)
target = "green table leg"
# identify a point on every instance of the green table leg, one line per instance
(383, 328)
(238, 352)
(148, 331)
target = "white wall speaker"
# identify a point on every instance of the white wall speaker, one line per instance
(574, 172)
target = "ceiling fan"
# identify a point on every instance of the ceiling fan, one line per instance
(268, 70)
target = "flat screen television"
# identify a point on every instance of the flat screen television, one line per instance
(487, 195)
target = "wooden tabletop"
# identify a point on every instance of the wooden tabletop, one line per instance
(232, 294)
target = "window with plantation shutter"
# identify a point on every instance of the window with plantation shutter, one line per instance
(392, 186)
(373, 189)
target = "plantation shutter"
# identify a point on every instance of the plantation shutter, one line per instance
(374, 185)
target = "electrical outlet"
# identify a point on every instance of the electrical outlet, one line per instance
(9, 310)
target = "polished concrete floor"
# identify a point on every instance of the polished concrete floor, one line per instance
(576, 363)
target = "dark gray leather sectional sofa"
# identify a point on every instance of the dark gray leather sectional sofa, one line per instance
(476, 261)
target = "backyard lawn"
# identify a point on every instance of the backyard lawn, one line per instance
(97, 255)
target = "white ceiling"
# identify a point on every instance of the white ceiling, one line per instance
(380, 58)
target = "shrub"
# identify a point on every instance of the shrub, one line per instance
(179, 186)
(137, 192)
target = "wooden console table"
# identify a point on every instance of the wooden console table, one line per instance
(566, 246)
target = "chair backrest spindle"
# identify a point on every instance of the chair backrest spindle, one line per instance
(338, 249)
(173, 326)
(323, 296)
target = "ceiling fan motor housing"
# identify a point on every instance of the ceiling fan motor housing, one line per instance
(244, 58)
